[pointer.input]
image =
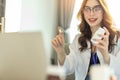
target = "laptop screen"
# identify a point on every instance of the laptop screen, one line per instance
(22, 56)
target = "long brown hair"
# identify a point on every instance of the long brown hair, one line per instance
(85, 30)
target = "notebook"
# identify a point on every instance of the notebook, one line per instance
(22, 56)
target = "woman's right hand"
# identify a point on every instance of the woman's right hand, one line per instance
(58, 45)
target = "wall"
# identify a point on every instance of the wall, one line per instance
(40, 15)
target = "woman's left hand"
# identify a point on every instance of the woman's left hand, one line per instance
(103, 45)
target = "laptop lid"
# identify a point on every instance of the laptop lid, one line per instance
(22, 56)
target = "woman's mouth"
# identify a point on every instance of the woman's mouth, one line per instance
(92, 20)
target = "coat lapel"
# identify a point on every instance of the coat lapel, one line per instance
(100, 57)
(86, 59)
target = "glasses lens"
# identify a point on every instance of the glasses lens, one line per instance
(87, 9)
(97, 8)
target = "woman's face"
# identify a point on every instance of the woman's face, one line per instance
(93, 13)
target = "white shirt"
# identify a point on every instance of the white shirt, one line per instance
(78, 61)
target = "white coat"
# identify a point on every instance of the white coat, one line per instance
(78, 62)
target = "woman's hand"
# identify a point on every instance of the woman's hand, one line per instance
(58, 45)
(113, 78)
(103, 46)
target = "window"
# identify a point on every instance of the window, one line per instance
(113, 7)
(13, 15)
(74, 22)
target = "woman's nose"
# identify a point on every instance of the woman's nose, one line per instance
(91, 12)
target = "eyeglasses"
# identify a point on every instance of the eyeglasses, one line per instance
(96, 9)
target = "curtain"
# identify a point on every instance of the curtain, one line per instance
(65, 12)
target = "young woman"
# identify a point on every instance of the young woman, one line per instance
(93, 14)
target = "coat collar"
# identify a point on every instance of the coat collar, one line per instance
(100, 57)
(86, 58)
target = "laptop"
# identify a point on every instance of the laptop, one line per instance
(22, 56)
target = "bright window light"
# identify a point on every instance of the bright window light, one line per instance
(113, 7)
(12, 15)
(74, 23)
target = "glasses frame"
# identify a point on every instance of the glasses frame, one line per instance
(96, 9)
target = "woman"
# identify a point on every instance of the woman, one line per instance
(83, 53)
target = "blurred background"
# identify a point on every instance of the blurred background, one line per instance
(46, 16)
